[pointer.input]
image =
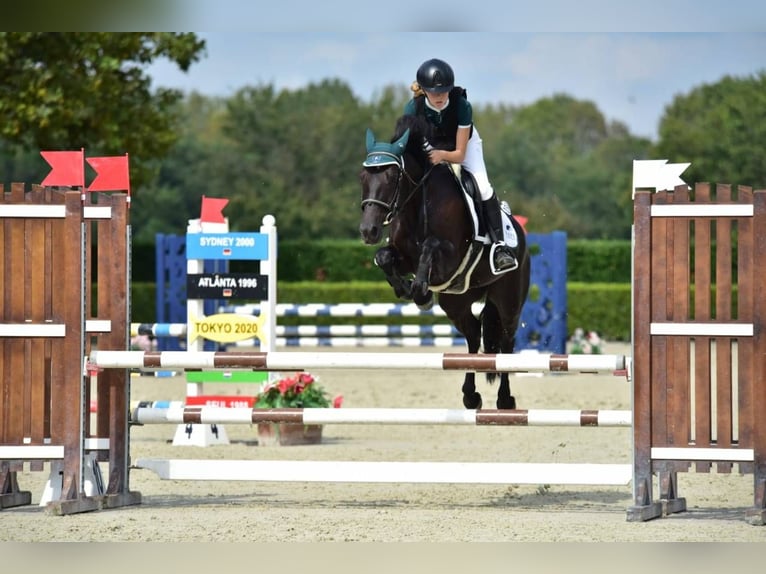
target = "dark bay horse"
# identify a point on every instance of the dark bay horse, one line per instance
(433, 247)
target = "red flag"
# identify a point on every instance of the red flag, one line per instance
(212, 208)
(112, 173)
(522, 221)
(67, 168)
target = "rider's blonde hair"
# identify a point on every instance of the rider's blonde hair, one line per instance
(416, 89)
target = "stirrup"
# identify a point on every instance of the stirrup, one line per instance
(501, 252)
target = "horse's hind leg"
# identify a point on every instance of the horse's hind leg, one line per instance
(498, 339)
(499, 325)
(505, 400)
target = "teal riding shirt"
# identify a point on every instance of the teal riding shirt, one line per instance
(457, 113)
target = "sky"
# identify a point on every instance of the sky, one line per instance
(630, 76)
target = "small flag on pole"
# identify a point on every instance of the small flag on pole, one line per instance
(67, 168)
(657, 174)
(112, 173)
(212, 210)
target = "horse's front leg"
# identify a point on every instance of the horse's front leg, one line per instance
(421, 293)
(387, 258)
(458, 310)
(471, 329)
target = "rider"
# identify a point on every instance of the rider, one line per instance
(446, 107)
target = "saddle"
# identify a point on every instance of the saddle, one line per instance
(461, 279)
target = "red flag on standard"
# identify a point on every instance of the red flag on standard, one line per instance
(212, 209)
(67, 168)
(112, 173)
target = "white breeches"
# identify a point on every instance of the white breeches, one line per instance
(474, 162)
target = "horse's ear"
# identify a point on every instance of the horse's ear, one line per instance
(401, 143)
(370, 140)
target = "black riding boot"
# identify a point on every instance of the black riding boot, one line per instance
(505, 256)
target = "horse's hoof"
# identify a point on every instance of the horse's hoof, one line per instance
(507, 404)
(473, 401)
(428, 304)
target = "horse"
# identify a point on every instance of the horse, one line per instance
(434, 247)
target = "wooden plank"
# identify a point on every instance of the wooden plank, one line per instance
(643, 370)
(116, 384)
(35, 282)
(4, 378)
(723, 311)
(66, 381)
(54, 230)
(661, 294)
(746, 273)
(679, 348)
(758, 398)
(17, 376)
(702, 288)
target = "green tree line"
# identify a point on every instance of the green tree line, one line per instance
(297, 153)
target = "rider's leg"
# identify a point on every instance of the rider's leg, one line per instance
(505, 256)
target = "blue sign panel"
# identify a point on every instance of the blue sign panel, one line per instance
(245, 246)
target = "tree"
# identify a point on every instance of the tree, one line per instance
(90, 90)
(299, 154)
(720, 128)
(539, 139)
(560, 163)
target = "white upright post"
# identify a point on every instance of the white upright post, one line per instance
(199, 434)
(269, 269)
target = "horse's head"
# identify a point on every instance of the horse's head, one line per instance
(385, 173)
(381, 182)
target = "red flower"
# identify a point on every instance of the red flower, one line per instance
(285, 385)
(337, 401)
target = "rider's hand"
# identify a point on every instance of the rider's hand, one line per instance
(437, 156)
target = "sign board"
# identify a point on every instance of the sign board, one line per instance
(226, 327)
(240, 246)
(233, 401)
(227, 286)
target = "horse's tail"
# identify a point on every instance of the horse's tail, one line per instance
(491, 332)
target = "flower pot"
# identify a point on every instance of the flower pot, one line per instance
(287, 434)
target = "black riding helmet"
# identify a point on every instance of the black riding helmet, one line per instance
(435, 75)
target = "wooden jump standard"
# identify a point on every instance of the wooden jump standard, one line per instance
(47, 327)
(699, 373)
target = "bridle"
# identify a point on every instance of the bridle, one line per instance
(393, 208)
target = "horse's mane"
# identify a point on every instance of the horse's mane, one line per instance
(419, 128)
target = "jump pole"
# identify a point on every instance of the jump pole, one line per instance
(390, 472)
(388, 416)
(300, 360)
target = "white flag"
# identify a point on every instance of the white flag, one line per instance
(657, 174)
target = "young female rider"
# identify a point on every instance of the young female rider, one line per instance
(444, 105)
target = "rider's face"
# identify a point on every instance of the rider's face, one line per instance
(438, 101)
